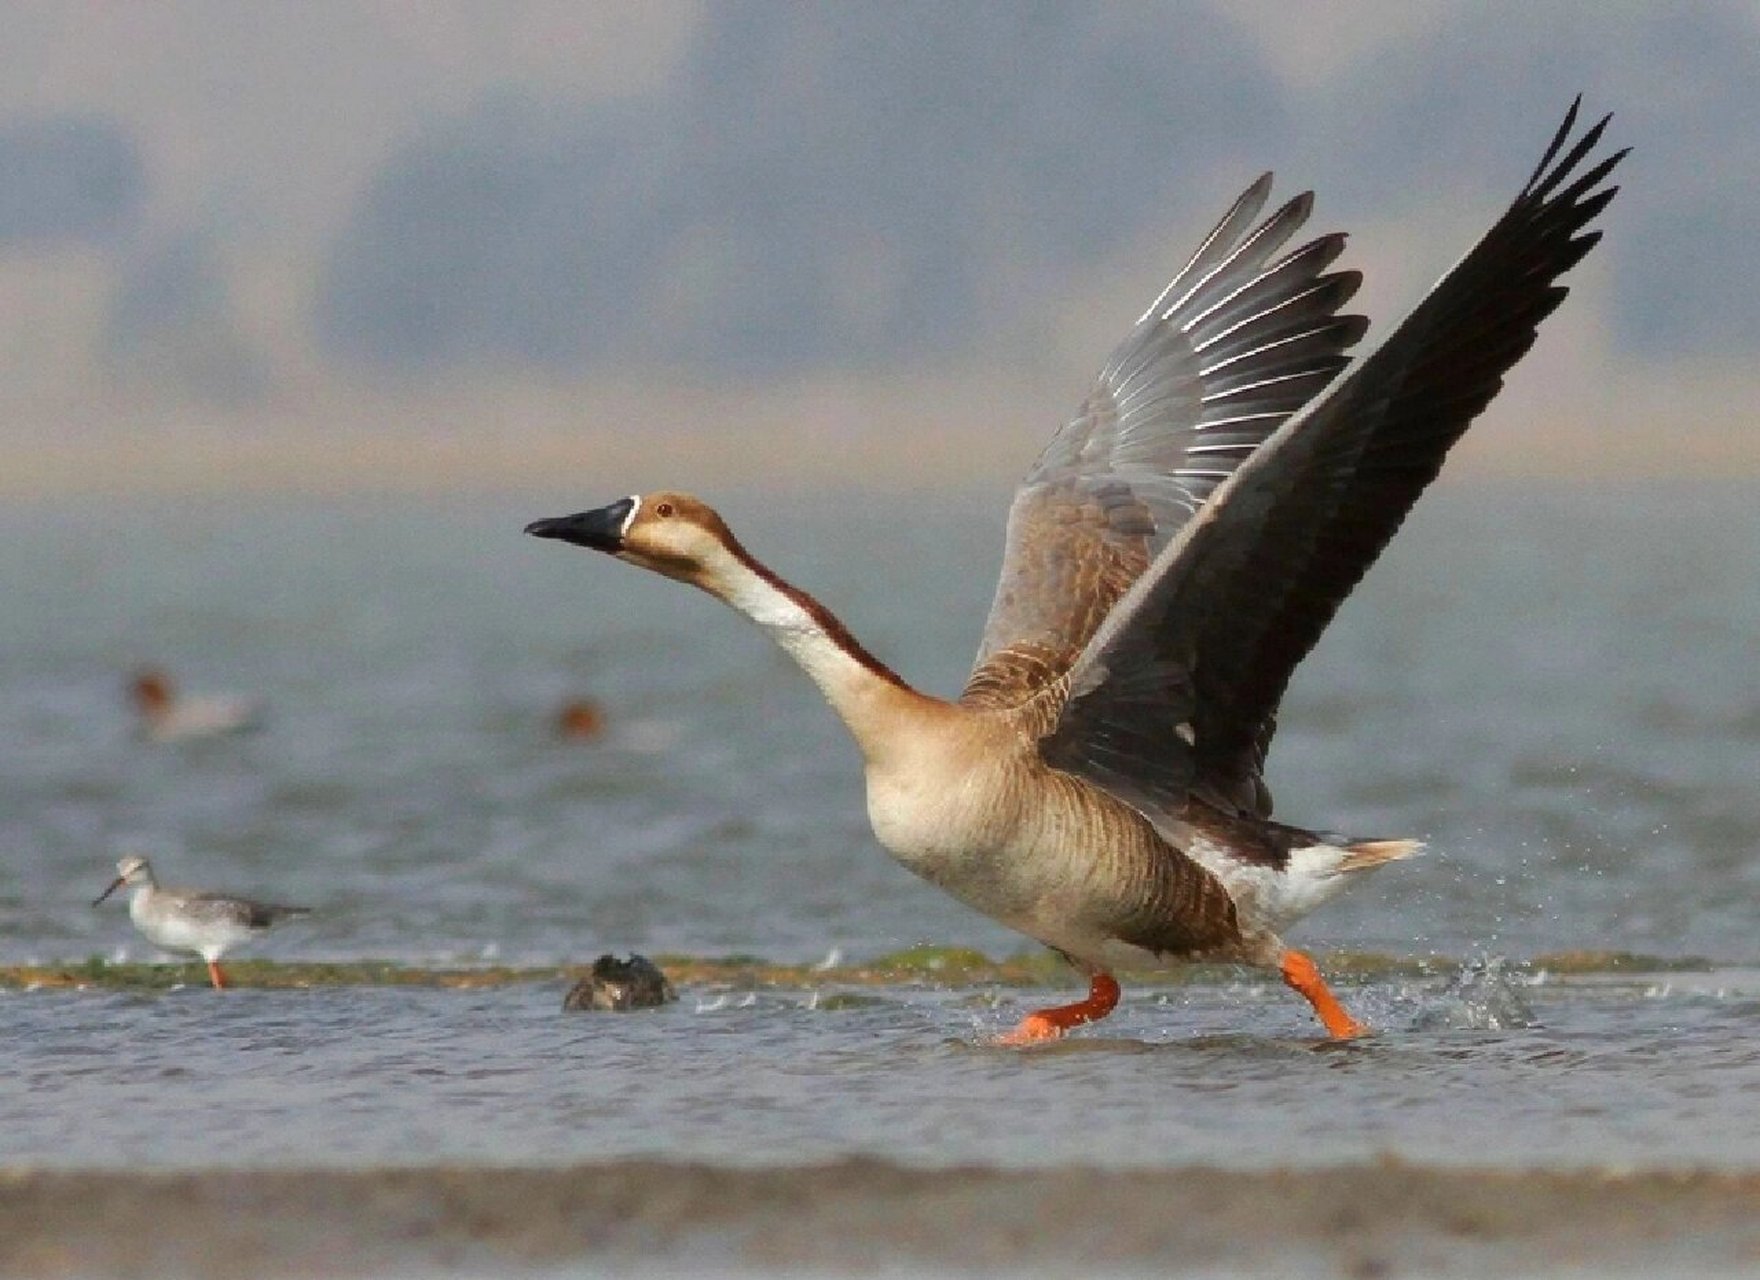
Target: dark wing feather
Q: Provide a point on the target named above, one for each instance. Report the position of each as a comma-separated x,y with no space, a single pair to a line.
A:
1233,346
243,911
1177,691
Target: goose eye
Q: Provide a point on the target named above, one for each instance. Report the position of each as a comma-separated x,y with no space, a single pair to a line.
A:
663,509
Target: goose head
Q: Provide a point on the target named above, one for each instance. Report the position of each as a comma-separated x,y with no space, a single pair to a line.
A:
670,533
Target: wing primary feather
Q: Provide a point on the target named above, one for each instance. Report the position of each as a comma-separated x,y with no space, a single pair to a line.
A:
1279,382
1295,272
1245,208
1270,236
1564,131
1216,424
1322,297
1330,335
1584,146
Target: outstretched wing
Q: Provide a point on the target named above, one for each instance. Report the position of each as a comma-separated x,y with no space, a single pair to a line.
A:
1176,692
1230,349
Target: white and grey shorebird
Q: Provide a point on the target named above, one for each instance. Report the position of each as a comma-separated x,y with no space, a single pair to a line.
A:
208,924
1175,552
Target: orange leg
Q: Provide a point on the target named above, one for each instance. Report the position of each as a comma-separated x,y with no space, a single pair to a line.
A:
215,976
1048,1024
1302,974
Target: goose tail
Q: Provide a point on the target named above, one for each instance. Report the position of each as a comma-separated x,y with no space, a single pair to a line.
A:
1362,855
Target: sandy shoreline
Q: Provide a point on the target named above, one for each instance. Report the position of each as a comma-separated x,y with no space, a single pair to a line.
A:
856,1216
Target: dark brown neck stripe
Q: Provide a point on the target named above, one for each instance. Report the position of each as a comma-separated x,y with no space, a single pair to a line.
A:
828,622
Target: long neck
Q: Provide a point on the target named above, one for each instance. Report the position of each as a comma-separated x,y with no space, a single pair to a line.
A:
867,695
142,897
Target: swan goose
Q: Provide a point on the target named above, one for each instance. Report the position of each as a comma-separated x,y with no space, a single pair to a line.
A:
1173,554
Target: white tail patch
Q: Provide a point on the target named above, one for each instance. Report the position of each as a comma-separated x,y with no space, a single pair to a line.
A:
1365,854
1313,874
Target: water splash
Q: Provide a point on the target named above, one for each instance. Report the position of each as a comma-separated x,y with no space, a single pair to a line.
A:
728,1000
833,959
1484,994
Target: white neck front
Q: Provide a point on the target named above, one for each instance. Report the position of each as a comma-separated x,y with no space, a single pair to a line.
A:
865,696
141,899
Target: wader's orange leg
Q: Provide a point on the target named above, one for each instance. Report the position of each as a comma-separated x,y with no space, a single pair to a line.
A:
215,976
1302,974
1048,1024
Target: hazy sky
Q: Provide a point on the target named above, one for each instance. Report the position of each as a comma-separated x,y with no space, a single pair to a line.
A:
1097,154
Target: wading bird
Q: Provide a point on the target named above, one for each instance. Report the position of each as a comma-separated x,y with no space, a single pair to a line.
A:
209,924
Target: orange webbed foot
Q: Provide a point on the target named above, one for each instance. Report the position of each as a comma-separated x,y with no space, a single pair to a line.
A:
1049,1024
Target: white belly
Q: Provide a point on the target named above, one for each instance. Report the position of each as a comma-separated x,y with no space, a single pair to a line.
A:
173,932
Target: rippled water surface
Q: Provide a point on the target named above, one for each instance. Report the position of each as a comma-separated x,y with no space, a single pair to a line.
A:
1618,1074
1556,690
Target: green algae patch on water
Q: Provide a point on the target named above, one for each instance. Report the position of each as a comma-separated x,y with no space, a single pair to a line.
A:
962,966
844,1001
923,965
97,973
